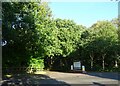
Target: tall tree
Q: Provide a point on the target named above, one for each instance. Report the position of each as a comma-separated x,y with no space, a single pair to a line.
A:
19,30
105,33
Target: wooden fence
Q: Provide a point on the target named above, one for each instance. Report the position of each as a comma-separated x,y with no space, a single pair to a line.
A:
20,69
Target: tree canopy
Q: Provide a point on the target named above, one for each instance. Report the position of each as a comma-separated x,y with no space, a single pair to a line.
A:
33,35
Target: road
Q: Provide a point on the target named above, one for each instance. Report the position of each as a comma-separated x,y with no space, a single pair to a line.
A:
64,79
89,78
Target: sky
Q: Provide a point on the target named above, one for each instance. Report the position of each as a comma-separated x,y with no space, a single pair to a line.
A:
84,13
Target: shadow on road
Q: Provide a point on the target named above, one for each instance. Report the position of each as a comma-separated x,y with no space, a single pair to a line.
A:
108,75
31,79
99,84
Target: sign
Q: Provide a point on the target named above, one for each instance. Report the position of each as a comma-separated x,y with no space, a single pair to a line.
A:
77,65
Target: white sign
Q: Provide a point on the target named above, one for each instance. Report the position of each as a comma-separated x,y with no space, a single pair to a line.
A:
77,65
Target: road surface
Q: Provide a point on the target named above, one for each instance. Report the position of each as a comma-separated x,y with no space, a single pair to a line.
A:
63,79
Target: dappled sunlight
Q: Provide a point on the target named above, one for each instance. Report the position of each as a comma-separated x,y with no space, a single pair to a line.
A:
30,79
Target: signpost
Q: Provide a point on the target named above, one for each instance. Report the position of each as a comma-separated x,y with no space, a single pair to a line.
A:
77,65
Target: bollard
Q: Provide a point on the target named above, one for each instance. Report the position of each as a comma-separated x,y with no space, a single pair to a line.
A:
71,67
83,69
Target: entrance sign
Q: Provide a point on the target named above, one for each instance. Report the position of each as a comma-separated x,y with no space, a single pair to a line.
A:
77,65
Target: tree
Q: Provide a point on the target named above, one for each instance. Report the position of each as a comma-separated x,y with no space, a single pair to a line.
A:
59,38
19,30
105,33
116,22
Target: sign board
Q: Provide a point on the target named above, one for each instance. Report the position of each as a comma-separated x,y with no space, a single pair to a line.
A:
77,65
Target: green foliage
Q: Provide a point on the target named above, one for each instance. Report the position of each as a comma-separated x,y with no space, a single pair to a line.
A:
36,64
99,43
19,30
31,32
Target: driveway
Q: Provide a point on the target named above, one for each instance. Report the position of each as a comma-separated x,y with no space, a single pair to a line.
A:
88,78
63,79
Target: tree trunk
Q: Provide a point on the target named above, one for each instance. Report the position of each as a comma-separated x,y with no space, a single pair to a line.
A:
116,64
103,61
51,62
91,61
103,64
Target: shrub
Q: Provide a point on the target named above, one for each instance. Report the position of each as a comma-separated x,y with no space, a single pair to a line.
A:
36,64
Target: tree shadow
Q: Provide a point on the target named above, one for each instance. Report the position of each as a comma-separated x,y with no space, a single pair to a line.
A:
31,79
99,84
108,75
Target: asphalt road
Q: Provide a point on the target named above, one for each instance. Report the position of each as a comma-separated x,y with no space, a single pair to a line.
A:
88,78
63,79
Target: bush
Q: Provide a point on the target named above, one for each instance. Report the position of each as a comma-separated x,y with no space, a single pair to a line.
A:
36,64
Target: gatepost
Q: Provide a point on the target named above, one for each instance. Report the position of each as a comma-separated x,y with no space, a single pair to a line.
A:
83,69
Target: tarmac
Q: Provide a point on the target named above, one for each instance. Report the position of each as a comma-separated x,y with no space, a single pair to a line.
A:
63,79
